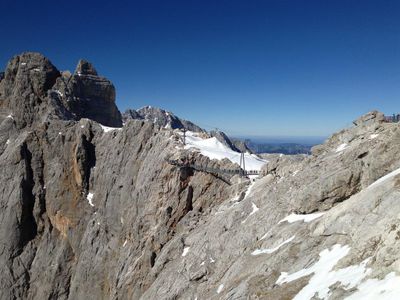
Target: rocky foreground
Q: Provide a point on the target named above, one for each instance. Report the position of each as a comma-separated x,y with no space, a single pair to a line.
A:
92,209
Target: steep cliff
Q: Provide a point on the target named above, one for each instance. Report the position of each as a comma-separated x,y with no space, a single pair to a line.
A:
87,209
96,212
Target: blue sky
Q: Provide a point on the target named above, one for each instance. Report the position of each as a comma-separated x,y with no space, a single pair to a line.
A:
260,68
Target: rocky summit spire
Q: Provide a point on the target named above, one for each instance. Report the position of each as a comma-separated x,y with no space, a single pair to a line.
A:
85,68
33,90
25,85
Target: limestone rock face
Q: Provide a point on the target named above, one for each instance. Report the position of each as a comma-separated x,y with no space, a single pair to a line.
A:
241,146
89,212
85,68
93,206
34,91
223,138
86,95
23,91
160,117
234,144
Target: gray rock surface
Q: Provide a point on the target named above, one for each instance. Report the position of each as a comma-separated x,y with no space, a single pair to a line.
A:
224,139
160,117
86,95
23,91
96,213
34,91
240,145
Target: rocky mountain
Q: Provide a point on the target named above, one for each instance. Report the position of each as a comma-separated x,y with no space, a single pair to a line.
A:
95,212
34,91
167,120
234,144
160,117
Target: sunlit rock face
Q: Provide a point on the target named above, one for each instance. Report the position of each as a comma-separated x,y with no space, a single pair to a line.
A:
94,210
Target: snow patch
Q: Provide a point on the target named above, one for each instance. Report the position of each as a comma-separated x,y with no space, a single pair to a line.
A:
342,147
126,241
272,250
373,136
255,209
324,276
185,251
8,142
305,218
384,178
10,117
214,149
220,288
388,288
108,129
249,189
90,199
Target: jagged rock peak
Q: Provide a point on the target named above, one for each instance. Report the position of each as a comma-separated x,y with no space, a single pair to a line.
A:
85,68
370,118
29,70
160,117
223,138
34,91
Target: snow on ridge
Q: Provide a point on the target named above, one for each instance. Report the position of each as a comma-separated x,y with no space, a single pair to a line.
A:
305,218
185,251
384,178
255,209
342,147
90,199
388,288
214,149
324,275
108,129
59,93
272,250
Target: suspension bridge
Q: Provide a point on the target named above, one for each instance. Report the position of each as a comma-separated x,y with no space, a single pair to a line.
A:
215,171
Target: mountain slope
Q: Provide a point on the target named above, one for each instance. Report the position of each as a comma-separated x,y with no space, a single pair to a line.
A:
160,117
96,212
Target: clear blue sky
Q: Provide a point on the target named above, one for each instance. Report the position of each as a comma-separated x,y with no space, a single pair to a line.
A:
296,68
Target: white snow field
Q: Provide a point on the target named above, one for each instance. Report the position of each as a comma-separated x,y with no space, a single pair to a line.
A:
214,149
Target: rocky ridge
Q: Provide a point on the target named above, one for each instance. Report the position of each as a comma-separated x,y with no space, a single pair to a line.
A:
90,211
160,117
